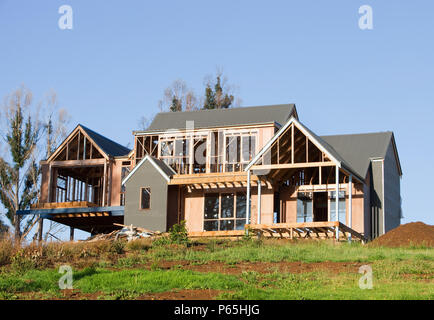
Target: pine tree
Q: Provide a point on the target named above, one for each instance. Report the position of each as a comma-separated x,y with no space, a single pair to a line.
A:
216,98
209,99
18,177
176,105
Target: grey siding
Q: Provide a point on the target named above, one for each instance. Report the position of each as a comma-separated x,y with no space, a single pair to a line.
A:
392,190
154,218
377,226
367,207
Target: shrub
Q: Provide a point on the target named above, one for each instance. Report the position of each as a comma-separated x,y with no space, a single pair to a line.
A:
6,251
117,247
161,241
178,233
21,263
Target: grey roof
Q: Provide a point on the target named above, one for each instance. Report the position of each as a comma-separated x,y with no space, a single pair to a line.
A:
337,155
110,147
164,166
358,149
222,117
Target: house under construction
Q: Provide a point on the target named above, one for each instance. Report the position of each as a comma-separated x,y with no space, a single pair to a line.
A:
224,171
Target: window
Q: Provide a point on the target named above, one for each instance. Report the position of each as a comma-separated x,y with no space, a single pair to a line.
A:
184,154
304,207
240,150
224,211
145,198
341,206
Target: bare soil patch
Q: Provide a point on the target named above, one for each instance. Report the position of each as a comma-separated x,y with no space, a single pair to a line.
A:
410,234
262,267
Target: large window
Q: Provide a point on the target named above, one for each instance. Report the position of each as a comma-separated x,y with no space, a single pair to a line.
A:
224,211
304,207
341,206
145,198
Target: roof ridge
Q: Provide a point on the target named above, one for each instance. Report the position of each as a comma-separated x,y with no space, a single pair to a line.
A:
87,128
227,109
357,134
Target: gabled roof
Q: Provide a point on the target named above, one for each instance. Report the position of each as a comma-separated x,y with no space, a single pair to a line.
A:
359,149
109,146
319,142
166,171
164,121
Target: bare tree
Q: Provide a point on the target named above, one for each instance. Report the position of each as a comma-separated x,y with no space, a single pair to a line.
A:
21,136
178,97
143,123
218,93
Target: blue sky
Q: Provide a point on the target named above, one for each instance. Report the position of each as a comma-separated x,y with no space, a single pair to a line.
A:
114,65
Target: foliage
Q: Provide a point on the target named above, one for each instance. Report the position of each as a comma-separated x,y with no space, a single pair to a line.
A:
21,131
117,247
179,97
6,251
216,97
21,263
178,233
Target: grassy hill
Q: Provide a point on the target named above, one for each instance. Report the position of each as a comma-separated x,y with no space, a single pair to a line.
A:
215,269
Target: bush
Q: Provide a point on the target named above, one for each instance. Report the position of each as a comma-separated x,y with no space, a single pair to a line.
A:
178,233
6,251
21,263
117,247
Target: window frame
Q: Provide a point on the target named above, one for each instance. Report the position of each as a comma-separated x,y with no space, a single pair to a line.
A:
141,199
220,218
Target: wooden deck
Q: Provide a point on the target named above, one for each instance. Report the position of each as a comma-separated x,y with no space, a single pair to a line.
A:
56,205
319,230
307,230
217,234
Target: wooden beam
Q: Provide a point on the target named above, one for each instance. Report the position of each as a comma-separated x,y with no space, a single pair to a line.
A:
207,179
292,143
293,165
78,163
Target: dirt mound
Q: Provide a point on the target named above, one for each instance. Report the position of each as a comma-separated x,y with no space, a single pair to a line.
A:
410,234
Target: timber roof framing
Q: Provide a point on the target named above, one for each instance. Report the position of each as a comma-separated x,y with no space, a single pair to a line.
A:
105,147
334,159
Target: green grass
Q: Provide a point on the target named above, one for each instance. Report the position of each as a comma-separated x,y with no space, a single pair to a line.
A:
305,252
398,273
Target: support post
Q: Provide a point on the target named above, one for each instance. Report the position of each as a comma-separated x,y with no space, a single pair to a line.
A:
259,200
50,178
109,195
71,234
350,205
337,201
248,198
104,184
84,148
40,229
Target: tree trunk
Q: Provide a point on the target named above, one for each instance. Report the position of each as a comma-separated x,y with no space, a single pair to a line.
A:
17,217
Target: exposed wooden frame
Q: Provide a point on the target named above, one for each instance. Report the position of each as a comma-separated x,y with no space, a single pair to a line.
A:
70,137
